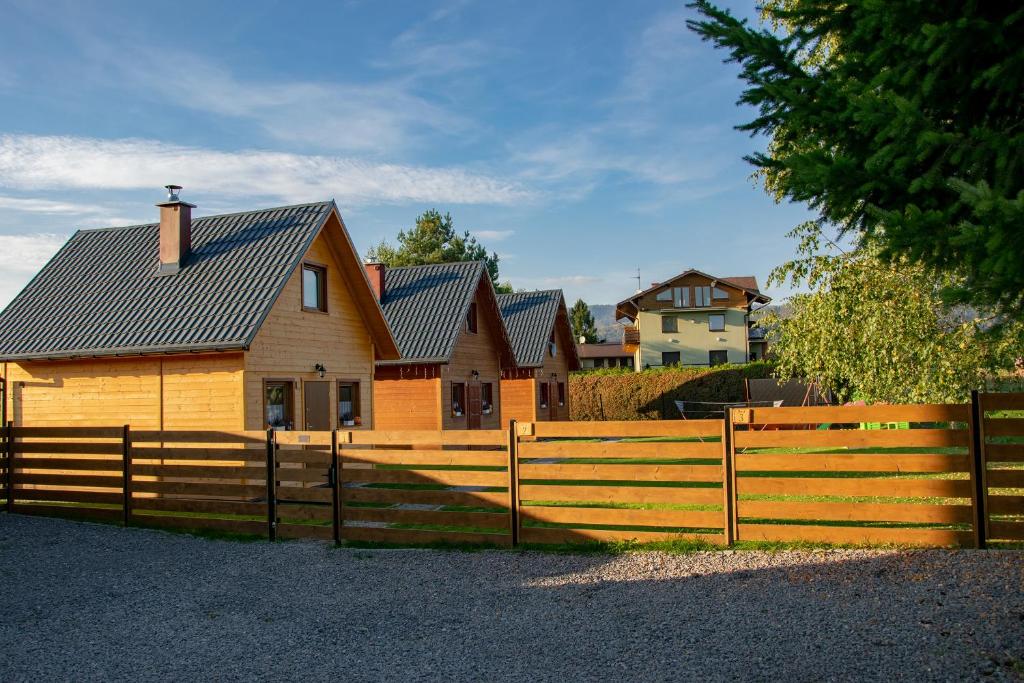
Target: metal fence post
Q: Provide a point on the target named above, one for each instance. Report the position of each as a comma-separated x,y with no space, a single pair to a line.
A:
271,486
126,474
10,465
729,501
335,488
513,480
979,489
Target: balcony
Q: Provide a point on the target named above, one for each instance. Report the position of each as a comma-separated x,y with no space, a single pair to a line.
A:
630,338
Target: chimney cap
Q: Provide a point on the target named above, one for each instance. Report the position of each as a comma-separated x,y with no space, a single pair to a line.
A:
172,192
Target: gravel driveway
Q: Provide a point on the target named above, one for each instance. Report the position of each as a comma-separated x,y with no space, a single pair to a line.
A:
94,602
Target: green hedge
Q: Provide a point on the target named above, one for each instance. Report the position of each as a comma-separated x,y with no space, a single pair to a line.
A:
650,395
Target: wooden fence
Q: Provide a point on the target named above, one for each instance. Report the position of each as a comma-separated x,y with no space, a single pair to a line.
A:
935,475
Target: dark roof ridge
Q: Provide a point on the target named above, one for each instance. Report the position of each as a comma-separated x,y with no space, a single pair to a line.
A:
136,226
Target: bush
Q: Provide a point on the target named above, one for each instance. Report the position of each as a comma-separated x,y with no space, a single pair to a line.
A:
626,395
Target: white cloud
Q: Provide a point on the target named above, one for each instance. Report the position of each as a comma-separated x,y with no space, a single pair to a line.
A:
46,206
50,162
494,235
21,256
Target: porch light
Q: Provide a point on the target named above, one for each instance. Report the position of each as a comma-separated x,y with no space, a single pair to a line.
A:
475,374
320,370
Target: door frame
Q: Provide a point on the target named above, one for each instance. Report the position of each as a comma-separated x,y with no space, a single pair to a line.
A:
305,404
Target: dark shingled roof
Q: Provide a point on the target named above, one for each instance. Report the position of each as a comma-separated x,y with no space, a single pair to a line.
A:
529,318
101,295
425,307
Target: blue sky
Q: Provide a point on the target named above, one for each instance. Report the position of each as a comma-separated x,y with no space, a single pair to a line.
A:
579,140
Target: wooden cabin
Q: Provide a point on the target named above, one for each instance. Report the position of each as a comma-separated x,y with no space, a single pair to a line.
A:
453,346
536,388
240,321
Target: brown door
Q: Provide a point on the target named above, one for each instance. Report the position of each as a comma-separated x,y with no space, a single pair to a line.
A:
475,406
317,405
553,401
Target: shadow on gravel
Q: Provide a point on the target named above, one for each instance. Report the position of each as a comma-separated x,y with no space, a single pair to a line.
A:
96,602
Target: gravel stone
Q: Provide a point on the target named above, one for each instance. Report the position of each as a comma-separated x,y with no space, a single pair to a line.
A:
96,602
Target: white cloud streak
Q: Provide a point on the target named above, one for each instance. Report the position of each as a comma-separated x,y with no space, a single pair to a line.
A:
52,162
494,235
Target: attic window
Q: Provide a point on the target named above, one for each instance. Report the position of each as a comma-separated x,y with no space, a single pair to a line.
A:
664,295
718,293
471,322
702,296
314,288
681,297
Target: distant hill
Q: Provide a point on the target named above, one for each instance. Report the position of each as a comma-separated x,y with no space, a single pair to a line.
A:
604,320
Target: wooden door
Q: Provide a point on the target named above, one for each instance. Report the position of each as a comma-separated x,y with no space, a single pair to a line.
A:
317,406
552,401
475,407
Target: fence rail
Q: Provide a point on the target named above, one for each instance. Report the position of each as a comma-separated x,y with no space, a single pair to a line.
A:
936,475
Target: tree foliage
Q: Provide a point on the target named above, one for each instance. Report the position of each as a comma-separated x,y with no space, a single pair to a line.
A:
582,322
900,123
878,330
434,240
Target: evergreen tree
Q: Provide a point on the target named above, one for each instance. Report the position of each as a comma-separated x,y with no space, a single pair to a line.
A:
582,322
434,240
900,123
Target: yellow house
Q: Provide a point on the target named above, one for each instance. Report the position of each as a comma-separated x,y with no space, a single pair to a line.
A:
693,319
239,321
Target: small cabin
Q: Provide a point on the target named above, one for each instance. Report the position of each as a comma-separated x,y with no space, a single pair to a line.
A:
252,320
452,344
536,387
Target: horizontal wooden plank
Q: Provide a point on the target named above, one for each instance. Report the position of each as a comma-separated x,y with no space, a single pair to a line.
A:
303,438
853,414
309,531
622,517
225,490
305,512
194,436
1010,531
237,526
620,494
199,472
1007,479
853,535
620,449
305,495
69,511
842,462
852,438
1004,452
445,477
307,457
226,507
621,472
856,512
182,453
876,487
81,480
1005,505
555,535
313,475
82,448
997,401
482,520
464,498
68,432
68,496
1004,426
474,437
73,464
422,537
628,429
437,457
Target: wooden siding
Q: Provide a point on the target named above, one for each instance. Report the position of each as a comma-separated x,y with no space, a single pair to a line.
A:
518,400
292,340
474,352
407,403
173,392
737,298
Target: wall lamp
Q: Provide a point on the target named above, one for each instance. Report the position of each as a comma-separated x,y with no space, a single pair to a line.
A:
320,370
475,374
